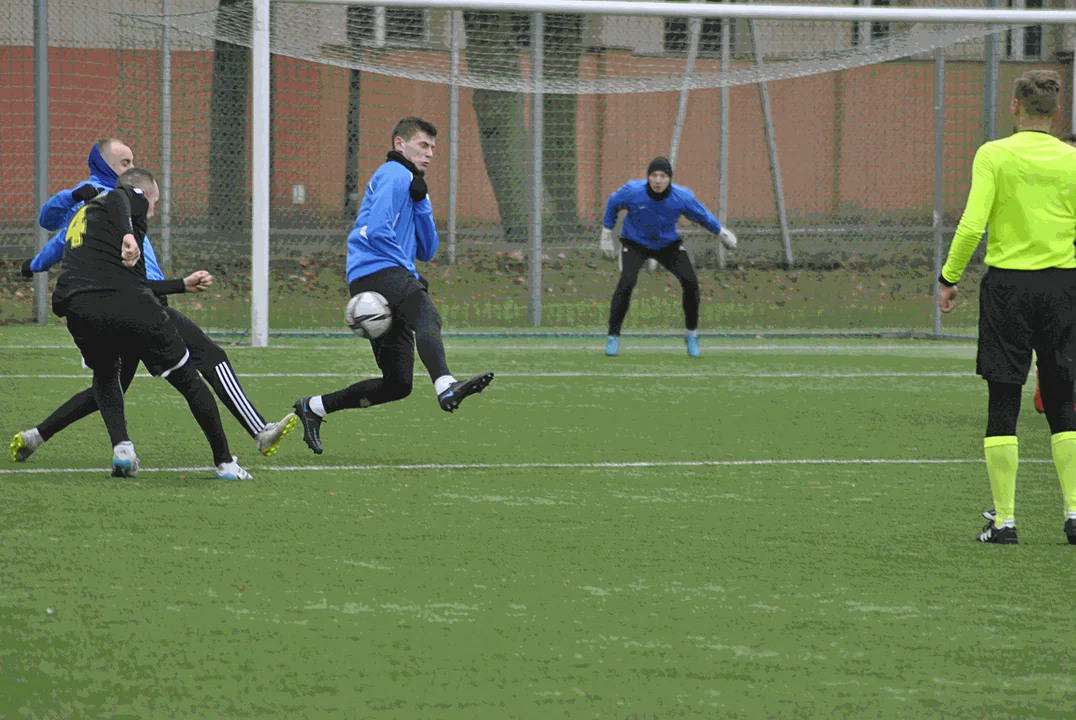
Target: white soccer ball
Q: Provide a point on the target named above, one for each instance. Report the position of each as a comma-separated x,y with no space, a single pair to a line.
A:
368,315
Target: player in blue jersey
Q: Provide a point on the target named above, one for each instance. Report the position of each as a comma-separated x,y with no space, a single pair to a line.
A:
109,159
654,207
393,229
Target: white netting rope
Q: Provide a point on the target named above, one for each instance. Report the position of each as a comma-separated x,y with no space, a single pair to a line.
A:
494,55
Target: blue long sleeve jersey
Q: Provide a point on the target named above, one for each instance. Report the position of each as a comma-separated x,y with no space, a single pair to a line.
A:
391,230
58,211
652,223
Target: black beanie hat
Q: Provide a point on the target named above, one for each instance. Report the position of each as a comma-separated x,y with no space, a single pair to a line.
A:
660,164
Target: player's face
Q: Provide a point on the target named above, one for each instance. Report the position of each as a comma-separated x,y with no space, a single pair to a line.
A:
419,149
120,159
658,181
152,197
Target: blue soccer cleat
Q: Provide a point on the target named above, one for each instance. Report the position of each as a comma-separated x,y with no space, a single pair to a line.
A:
311,424
232,471
693,348
612,346
451,398
124,460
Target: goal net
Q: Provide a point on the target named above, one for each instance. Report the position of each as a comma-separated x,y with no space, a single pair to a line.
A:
828,178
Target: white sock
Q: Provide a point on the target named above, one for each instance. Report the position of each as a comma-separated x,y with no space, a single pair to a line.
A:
1010,522
1071,516
33,438
692,333
443,383
317,406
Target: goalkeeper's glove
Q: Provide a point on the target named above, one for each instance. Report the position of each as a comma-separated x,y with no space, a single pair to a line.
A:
606,243
84,193
728,238
25,269
418,188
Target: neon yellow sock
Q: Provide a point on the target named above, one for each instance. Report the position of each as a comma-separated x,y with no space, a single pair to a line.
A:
1063,447
1002,458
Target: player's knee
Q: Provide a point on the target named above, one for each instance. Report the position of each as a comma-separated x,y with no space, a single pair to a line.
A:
690,286
397,389
207,357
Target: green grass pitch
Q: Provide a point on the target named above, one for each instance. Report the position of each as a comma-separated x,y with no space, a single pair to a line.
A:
649,536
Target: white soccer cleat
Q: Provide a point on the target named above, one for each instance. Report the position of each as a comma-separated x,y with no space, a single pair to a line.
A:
124,460
270,436
24,443
232,471
728,238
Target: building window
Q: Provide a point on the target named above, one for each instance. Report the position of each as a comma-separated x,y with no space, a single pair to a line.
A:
388,27
677,36
1025,43
864,33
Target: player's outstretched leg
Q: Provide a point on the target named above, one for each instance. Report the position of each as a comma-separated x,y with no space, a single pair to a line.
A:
200,401
213,364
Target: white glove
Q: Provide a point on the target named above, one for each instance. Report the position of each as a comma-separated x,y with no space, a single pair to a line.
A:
728,238
606,243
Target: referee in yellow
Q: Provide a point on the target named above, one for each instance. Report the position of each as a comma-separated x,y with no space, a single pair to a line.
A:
1024,188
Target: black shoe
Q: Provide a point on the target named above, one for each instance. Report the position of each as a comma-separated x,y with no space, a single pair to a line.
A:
998,535
311,424
1070,530
990,515
450,399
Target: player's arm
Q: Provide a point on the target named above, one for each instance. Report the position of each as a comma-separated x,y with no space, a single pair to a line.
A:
55,211
118,208
617,202
196,282
52,253
696,212
426,239
388,202
153,268
973,222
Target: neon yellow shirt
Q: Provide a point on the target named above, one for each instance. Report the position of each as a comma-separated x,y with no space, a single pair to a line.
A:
1024,187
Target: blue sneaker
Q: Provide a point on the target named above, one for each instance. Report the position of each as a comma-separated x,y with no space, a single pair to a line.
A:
612,347
693,348
124,460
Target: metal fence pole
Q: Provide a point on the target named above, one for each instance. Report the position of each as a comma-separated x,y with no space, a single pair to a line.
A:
259,231
454,133
41,146
723,143
694,26
991,70
939,175
537,131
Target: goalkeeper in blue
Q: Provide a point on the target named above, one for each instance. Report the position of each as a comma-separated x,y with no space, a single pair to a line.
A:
393,229
109,159
654,207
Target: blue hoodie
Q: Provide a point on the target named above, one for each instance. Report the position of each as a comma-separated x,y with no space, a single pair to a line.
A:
652,223
391,230
58,210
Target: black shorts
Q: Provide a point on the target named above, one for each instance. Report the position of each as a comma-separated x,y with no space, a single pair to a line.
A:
394,283
1025,310
108,325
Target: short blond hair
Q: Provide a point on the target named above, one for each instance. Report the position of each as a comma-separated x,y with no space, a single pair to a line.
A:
1038,92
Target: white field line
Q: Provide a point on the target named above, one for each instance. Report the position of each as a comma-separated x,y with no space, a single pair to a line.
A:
569,374
541,465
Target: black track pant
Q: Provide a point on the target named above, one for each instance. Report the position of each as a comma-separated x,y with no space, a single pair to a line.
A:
415,322
206,356
674,259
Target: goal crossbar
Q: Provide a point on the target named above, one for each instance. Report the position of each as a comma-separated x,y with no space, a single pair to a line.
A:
981,16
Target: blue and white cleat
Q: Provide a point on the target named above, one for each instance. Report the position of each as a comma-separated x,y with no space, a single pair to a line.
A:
451,398
693,348
124,460
612,346
232,471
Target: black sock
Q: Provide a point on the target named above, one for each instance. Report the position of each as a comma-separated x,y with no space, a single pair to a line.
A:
108,396
200,401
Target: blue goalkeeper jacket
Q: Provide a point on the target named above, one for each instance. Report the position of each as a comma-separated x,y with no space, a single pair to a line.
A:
61,207
652,223
391,230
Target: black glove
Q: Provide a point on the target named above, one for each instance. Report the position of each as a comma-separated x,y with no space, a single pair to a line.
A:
25,270
84,192
418,188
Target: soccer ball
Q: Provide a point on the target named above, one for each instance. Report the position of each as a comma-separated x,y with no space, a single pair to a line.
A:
368,315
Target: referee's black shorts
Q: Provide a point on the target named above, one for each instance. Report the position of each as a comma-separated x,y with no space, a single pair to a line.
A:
106,324
1025,310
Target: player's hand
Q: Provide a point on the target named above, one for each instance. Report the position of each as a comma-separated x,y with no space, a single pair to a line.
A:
84,192
25,269
728,238
419,191
947,298
198,281
129,252
606,243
